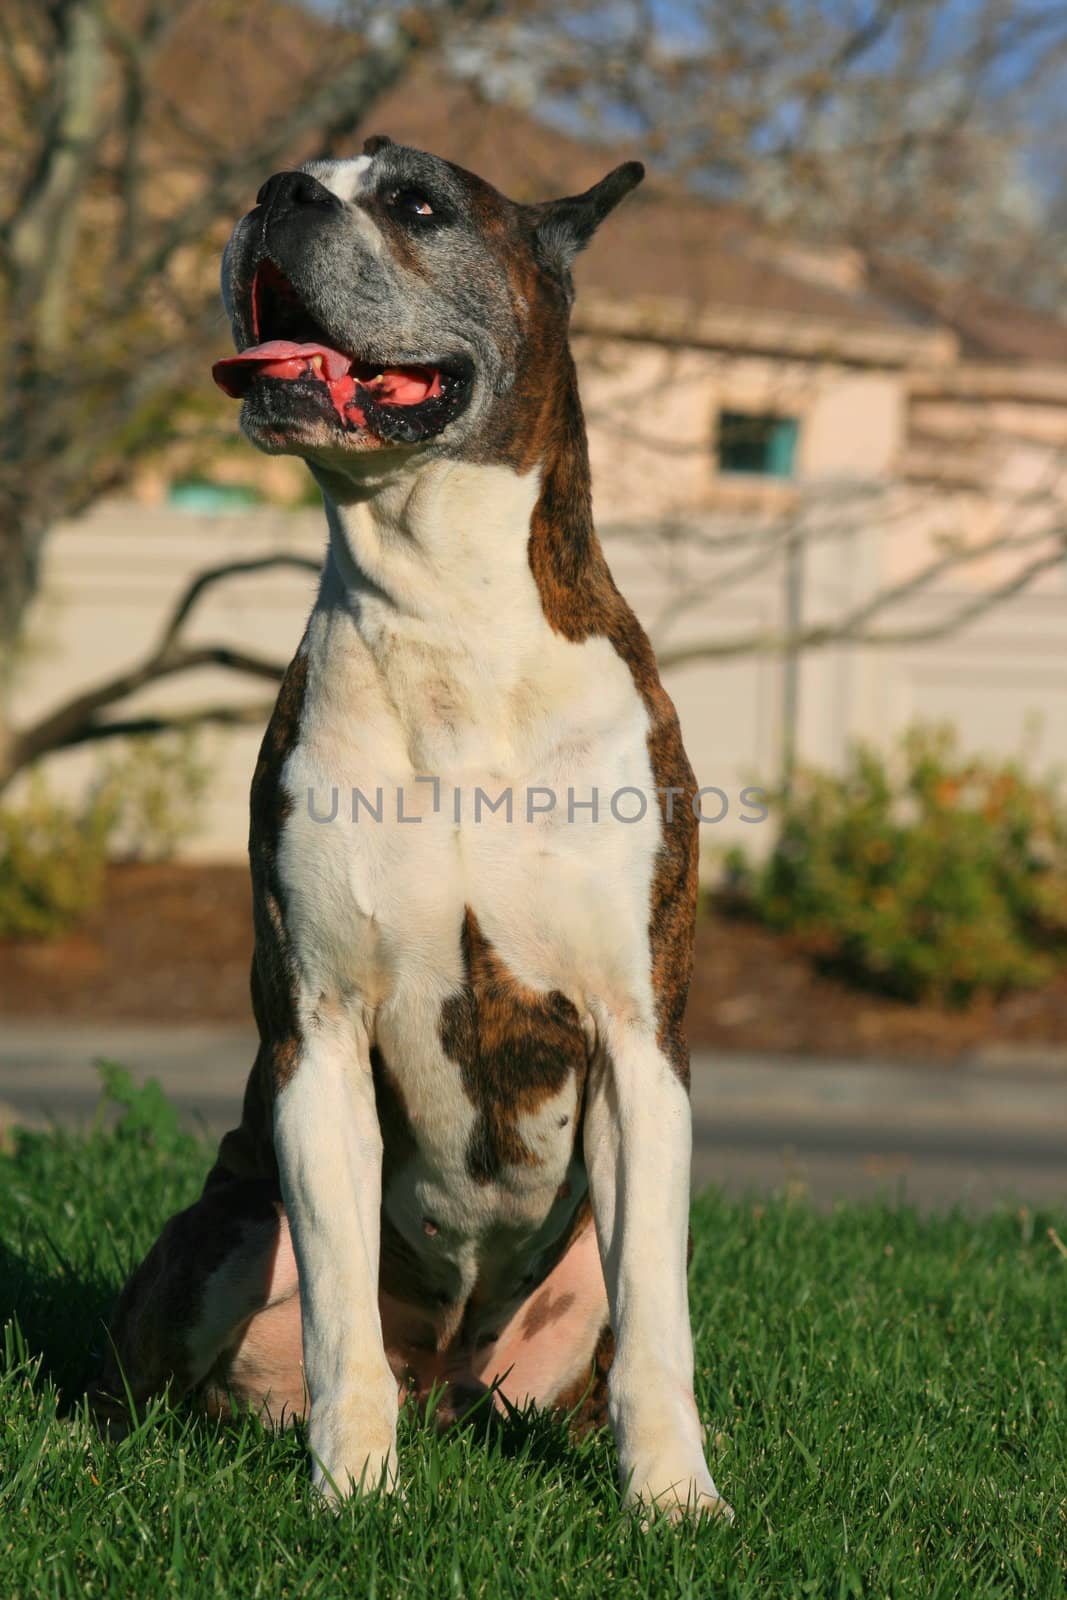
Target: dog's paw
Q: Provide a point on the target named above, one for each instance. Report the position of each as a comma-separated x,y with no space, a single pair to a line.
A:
363,1473
684,1496
359,1471
351,1454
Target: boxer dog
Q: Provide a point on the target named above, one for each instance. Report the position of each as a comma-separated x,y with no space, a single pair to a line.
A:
463,1160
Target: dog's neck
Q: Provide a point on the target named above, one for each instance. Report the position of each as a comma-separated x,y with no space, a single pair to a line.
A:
477,551
431,542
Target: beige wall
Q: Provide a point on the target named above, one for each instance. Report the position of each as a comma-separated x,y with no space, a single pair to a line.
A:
940,468
109,581
652,415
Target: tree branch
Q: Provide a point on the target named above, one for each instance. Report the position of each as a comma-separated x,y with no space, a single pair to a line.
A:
43,222
77,721
221,716
70,722
848,631
340,102
971,610
212,575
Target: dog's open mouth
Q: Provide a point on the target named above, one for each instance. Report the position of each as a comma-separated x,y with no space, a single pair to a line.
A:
404,403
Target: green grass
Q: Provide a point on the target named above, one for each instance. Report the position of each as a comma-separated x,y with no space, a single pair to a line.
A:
886,1398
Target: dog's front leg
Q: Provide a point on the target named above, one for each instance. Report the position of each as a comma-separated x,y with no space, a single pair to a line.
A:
638,1140
329,1150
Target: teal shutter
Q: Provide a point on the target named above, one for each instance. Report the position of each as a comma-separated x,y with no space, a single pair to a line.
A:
781,447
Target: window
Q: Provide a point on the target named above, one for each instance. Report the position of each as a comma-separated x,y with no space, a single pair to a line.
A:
757,442
211,499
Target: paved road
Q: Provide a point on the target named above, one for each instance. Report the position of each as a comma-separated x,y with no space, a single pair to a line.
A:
937,1136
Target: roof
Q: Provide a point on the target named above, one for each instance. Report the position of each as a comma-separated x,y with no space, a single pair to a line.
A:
664,247
990,327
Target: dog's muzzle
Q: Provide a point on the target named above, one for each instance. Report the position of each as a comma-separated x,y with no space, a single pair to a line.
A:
398,400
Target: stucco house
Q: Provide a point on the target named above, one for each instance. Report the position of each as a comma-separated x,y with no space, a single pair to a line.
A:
786,442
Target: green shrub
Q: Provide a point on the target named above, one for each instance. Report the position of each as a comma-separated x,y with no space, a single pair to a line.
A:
153,789
52,858
53,851
925,876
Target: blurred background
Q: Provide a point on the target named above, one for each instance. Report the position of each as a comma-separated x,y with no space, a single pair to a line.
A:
825,376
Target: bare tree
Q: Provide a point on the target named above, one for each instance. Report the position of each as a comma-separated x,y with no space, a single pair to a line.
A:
119,177
729,559
918,126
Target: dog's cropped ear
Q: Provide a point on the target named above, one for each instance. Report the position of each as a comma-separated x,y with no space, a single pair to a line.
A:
563,227
376,142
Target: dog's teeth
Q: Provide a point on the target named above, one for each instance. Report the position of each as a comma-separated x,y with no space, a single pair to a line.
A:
316,362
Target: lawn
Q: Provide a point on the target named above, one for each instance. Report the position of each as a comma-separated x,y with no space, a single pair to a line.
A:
886,1399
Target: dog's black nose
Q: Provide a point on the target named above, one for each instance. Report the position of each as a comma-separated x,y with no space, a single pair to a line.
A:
286,189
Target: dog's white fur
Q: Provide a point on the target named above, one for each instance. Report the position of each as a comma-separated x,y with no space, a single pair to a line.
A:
431,657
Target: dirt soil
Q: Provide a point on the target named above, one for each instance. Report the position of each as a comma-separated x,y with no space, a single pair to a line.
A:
171,943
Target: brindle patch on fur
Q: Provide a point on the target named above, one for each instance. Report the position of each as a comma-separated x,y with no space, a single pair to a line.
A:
399,1144
248,1150
587,1397
274,984
515,1048
544,1311
162,1301
580,601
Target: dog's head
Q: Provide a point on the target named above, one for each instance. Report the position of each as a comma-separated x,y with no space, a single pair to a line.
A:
398,303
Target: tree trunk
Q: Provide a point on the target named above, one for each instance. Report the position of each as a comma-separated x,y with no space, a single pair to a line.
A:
21,542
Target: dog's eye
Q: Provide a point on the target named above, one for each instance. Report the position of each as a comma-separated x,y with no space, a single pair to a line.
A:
411,201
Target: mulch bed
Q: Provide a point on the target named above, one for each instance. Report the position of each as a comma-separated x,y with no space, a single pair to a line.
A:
171,943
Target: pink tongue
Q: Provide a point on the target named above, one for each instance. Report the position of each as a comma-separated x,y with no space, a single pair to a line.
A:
278,358
408,386
282,358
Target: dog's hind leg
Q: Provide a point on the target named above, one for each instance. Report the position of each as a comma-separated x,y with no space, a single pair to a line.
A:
212,1268
208,1272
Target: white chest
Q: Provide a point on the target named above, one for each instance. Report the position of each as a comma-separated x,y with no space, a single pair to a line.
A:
461,765
432,778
